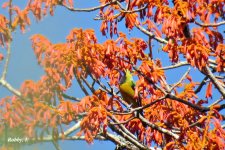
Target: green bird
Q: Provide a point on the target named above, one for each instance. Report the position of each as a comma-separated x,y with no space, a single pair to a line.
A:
127,90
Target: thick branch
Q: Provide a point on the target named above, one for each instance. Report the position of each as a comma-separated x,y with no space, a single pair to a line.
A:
72,129
118,140
10,88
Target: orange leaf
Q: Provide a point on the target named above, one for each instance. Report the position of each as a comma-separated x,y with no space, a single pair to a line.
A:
1,57
169,145
209,90
131,20
6,4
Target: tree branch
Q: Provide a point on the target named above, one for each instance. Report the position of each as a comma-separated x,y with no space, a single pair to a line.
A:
214,80
165,131
10,88
196,107
56,145
70,97
181,79
72,129
81,85
201,85
119,141
123,128
210,24
216,102
150,81
5,69
91,88
127,136
123,122
161,40
89,9
180,64
136,10
109,91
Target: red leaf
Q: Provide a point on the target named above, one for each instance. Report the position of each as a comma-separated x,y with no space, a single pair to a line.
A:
1,57
189,78
6,4
209,90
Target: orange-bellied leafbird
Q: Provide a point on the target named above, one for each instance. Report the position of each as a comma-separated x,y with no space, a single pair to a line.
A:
127,90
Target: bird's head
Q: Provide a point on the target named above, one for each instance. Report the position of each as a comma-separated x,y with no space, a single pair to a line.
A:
125,74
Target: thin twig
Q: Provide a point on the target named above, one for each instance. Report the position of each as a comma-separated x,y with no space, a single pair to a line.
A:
123,122
201,85
102,85
81,85
71,97
123,127
161,40
89,9
88,85
181,79
216,102
150,81
165,83
210,24
132,110
163,130
194,106
56,145
180,64
127,134
217,84
135,10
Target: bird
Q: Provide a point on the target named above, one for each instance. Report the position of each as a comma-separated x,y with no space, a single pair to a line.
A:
127,88
127,91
